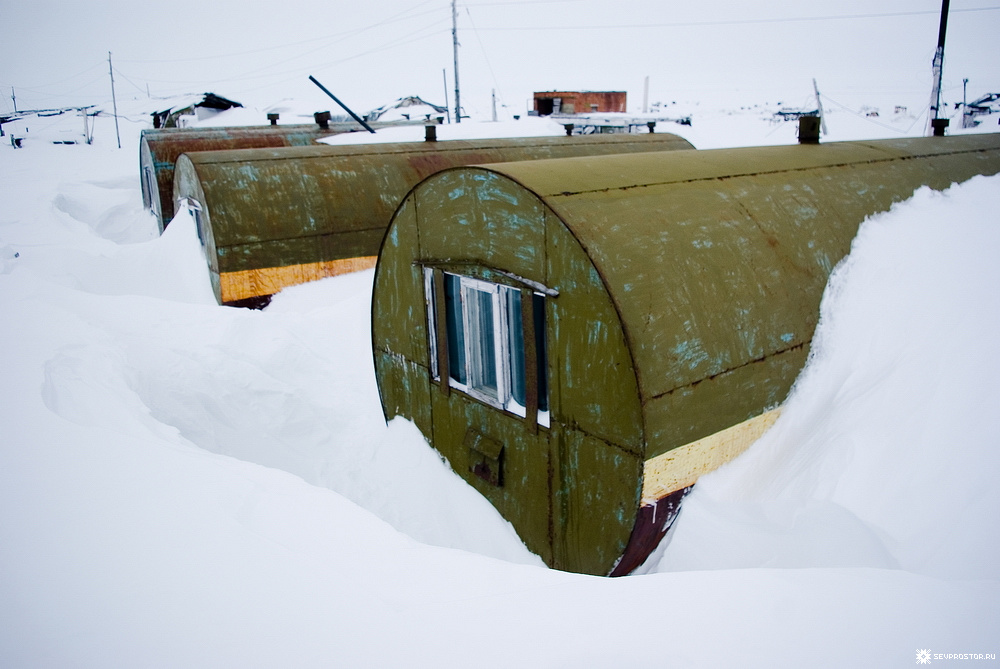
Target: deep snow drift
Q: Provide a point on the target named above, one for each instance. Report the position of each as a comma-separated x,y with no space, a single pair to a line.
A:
183,484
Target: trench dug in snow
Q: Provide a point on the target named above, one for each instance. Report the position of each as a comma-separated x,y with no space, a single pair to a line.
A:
883,418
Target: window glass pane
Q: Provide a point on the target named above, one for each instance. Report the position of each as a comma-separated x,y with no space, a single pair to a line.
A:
482,339
455,326
538,304
486,344
515,338
429,300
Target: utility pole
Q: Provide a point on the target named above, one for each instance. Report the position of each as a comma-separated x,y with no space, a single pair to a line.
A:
454,45
937,123
114,101
444,78
965,104
13,97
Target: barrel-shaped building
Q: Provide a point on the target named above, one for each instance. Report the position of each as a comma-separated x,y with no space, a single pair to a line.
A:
581,339
159,149
270,218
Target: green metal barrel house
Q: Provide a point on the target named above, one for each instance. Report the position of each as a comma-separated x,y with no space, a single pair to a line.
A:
159,149
271,218
583,338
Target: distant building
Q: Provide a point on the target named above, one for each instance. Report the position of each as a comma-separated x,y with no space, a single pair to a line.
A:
58,126
410,108
579,102
196,107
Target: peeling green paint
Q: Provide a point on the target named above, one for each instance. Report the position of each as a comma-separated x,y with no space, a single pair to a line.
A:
688,287
307,204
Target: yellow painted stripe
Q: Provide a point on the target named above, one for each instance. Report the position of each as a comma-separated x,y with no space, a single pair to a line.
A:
269,280
682,466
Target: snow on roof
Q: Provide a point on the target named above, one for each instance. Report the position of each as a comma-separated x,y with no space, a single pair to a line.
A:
209,100
531,126
411,107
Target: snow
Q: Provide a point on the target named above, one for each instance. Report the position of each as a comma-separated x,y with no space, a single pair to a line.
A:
901,379
532,126
183,484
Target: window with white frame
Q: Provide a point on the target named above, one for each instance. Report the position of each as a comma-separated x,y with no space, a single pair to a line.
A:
194,210
479,333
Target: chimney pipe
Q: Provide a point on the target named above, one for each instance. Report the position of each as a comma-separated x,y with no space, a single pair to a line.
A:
273,118
809,129
569,129
430,133
322,120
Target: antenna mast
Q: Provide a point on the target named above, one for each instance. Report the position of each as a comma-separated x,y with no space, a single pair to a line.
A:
454,44
819,107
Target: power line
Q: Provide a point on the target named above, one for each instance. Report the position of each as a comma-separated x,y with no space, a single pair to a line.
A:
742,22
419,33
38,88
405,15
489,65
285,75
137,87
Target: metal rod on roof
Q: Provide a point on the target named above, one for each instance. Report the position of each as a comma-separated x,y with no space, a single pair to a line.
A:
943,26
353,115
937,123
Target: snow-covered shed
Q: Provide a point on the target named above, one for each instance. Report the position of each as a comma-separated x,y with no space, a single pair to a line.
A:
408,108
271,218
195,107
583,338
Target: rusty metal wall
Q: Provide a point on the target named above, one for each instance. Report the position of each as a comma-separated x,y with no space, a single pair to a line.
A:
159,149
271,208
688,287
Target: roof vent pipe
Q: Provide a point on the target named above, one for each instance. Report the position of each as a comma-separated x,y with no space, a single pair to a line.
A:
430,133
809,129
273,118
322,119
652,126
569,129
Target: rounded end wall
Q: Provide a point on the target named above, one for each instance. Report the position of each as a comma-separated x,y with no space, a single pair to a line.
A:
189,196
569,477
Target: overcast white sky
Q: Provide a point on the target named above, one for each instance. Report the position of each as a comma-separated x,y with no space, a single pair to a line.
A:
55,52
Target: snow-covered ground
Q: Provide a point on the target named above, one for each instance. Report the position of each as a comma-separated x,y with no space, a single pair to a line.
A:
187,485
